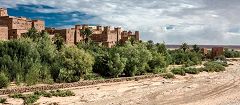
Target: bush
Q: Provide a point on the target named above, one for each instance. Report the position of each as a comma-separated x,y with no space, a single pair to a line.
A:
157,64
30,98
109,64
213,67
179,71
93,76
137,56
191,70
16,95
62,93
43,93
201,69
3,100
168,75
71,64
3,80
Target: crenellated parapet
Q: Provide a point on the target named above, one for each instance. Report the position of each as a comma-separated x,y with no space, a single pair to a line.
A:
17,26
3,12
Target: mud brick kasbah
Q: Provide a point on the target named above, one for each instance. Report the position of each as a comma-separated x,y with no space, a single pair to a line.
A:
12,27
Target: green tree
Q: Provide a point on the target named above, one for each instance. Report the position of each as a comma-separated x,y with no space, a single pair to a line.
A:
137,57
33,34
150,45
18,57
71,64
4,82
87,32
116,65
58,41
158,63
196,48
184,47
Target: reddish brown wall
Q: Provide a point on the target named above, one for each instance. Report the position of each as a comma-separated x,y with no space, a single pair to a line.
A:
16,33
204,51
3,33
217,51
39,25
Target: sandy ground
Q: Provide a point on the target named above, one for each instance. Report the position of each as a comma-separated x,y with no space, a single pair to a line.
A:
203,89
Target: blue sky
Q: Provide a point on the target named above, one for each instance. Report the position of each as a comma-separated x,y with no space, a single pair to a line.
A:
169,21
61,19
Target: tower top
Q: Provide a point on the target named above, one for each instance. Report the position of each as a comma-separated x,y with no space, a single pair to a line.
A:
3,12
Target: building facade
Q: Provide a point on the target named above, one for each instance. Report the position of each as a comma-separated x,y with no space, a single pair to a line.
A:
14,27
3,32
107,36
217,51
17,26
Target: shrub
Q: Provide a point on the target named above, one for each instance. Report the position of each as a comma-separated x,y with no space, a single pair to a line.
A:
93,76
62,93
16,95
43,93
157,64
213,67
3,80
179,71
168,75
223,64
201,69
137,58
3,100
189,63
191,70
32,76
109,64
71,64
30,98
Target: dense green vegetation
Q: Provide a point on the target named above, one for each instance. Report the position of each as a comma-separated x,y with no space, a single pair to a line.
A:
186,56
36,58
212,66
231,53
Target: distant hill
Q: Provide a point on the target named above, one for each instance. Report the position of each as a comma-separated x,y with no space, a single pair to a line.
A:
207,46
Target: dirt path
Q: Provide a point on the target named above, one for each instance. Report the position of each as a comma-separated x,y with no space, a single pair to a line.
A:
204,89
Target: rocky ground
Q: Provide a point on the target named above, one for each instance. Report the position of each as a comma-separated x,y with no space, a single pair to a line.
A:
221,88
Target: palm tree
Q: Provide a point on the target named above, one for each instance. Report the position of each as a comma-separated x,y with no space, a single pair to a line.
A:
86,34
184,46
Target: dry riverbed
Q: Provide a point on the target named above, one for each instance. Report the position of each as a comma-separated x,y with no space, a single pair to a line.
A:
221,88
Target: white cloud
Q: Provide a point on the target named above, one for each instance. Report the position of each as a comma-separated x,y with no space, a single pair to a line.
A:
201,22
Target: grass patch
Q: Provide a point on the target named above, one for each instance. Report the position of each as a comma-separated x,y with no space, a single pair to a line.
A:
62,93
191,70
168,75
28,98
213,67
43,93
178,71
32,98
3,100
16,95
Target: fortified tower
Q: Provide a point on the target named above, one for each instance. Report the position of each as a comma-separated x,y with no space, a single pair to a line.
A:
3,12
